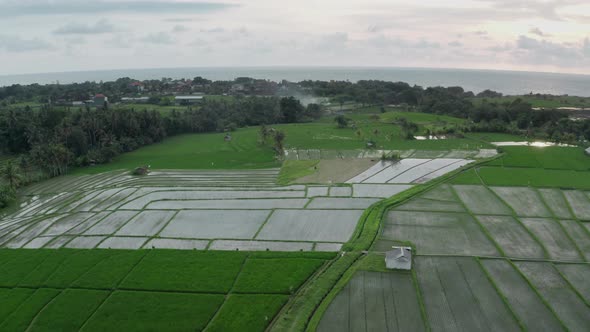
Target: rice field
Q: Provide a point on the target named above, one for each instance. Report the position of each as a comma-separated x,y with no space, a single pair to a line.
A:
375,301
179,209
163,290
410,170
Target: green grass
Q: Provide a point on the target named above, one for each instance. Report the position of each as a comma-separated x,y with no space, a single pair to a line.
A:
19,266
148,290
109,272
46,268
74,267
211,151
21,318
186,271
143,311
387,136
545,102
11,298
495,137
69,310
261,309
295,169
554,157
278,275
505,176
468,177
196,151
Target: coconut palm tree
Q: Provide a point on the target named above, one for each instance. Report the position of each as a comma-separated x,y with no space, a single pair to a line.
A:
11,174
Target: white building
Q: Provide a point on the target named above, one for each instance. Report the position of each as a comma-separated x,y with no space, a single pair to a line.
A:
188,100
399,258
588,151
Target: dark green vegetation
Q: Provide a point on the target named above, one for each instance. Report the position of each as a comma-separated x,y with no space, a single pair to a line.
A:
539,100
211,151
561,167
159,290
553,157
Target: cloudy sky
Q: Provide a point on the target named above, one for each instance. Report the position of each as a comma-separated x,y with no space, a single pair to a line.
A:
71,35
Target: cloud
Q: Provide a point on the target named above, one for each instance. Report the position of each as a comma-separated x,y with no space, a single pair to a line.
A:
548,9
180,28
213,30
538,32
180,20
158,38
102,26
17,44
545,52
76,7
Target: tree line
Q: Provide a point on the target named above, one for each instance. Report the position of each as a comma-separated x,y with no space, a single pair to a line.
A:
53,139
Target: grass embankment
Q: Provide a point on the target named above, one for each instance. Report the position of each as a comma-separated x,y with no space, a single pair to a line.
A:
560,167
162,290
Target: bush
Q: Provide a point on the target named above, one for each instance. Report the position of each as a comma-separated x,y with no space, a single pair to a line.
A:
7,195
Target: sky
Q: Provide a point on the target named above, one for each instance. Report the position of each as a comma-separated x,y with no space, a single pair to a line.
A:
75,35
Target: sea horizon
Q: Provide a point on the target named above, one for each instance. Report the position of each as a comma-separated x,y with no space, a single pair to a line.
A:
508,82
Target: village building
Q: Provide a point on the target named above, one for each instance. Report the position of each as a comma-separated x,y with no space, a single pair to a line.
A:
188,100
399,258
136,100
100,101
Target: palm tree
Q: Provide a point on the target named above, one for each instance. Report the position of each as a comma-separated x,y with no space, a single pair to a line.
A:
279,137
11,174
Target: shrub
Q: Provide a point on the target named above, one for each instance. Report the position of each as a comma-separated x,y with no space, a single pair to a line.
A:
7,195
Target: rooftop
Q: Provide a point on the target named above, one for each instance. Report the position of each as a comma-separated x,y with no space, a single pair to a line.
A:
399,258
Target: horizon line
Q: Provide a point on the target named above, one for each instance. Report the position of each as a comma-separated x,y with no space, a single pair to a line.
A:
355,67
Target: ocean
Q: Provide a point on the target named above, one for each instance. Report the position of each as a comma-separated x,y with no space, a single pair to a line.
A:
506,82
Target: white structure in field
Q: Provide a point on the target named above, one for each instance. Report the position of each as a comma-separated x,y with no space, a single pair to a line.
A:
588,151
399,258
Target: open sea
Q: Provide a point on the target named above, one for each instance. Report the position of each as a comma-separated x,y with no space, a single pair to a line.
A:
507,82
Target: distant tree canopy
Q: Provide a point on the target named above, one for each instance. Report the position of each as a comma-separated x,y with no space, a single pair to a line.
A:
55,139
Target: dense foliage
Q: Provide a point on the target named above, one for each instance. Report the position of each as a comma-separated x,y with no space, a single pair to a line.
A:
55,138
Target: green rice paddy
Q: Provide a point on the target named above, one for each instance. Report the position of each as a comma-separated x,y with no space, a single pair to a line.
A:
159,290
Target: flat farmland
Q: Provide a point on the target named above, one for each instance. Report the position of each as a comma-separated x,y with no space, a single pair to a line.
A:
512,237
568,306
480,200
181,209
375,301
525,202
458,296
528,306
163,290
554,238
438,233
578,275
